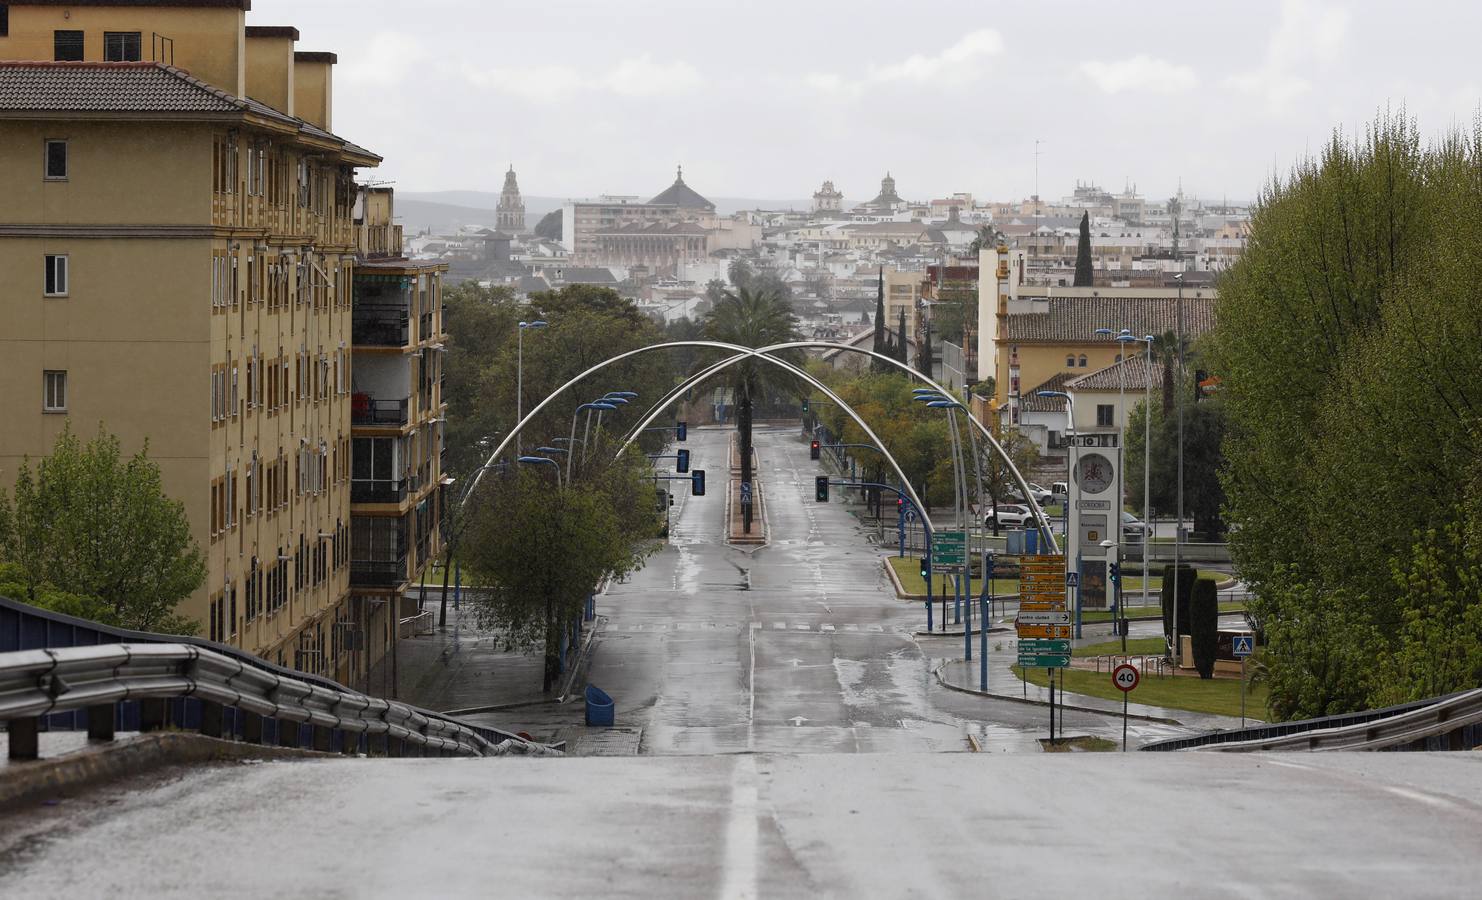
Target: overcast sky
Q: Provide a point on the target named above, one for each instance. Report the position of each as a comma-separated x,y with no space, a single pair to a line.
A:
766,99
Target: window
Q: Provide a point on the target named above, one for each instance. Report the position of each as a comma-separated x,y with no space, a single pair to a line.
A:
1070,361
1103,415
121,46
54,391
1083,360
56,160
4,20
66,46
56,275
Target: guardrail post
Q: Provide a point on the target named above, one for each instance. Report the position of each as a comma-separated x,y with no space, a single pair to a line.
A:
287,733
395,746
251,727
154,714
321,738
25,738
102,721
211,718
350,743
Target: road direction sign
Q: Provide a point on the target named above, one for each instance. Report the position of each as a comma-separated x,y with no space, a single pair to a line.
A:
948,549
1043,631
1041,645
1044,618
1044,660
1125,677
1244,645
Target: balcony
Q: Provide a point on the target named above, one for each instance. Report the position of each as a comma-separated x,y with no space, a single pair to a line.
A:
368,410
377,572
380,325
378,491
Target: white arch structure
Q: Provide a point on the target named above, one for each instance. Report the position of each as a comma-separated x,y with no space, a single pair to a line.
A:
763,353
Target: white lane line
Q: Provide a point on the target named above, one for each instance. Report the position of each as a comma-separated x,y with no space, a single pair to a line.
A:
779,626
802,628
827,627
739,872
851,627
878,628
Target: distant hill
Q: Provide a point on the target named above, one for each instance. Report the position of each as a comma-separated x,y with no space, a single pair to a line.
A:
446,210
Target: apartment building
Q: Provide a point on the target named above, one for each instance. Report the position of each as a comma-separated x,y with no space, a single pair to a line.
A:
181,232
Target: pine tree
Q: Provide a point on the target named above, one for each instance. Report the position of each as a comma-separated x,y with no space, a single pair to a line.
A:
1085,275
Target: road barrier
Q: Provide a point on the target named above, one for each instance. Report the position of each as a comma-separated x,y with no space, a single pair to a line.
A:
234,700
1453,722
182,694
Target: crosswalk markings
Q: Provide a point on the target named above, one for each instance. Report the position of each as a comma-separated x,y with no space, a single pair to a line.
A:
820,628
826,628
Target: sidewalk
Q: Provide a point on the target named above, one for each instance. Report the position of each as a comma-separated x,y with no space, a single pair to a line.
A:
1003,684
462,666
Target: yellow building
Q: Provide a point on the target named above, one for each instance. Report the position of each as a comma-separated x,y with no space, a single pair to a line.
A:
181,233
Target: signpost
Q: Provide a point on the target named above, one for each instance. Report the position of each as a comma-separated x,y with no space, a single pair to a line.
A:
1043,624
1243,646
949,549
1125,677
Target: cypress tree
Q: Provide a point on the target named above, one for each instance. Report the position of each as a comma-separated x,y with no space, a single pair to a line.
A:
880,333
1204,627
903,350
1085,275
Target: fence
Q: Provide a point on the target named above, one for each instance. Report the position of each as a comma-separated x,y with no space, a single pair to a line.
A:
58,672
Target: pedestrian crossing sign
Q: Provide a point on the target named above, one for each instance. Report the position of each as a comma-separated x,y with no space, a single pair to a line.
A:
1244,645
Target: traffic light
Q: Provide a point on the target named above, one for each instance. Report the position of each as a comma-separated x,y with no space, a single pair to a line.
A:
805,405
684,461
697,483
813,450
680,428
925,570
820,488
1116,573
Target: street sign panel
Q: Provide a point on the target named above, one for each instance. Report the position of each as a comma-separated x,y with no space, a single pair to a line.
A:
949,549
1044,646
1044,618
1044,660
1125,677
1043,631
1244,645
1072,579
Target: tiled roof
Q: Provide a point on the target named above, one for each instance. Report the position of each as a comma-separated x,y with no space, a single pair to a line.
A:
110,87
1030,401
1074,320
682,196
145,88
1137,371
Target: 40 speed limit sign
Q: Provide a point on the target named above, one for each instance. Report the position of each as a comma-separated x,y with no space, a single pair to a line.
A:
1125,677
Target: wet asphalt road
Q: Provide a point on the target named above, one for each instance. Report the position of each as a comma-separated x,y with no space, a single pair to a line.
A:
798,646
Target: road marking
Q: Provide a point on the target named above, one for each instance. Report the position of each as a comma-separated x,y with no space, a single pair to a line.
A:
739,873
851,627
877,628
826,627
779,626
683,626
635,627
802,628
755,626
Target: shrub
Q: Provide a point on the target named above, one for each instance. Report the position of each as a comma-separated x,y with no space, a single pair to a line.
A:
1204,626
1186,576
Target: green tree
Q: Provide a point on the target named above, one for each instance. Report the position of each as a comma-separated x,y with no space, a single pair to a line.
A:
750,320
1204,459
1085,272
481,323
541,549
1184,576
88,523
998,478
1346,347
549,226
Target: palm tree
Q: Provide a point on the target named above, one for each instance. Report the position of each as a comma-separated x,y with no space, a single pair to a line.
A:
1165,349
751,320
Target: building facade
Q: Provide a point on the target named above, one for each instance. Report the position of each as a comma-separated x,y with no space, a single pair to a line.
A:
185,228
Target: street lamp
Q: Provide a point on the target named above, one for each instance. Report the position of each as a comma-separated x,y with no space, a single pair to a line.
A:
1069,486
1178,535
536,460
520,373
595,404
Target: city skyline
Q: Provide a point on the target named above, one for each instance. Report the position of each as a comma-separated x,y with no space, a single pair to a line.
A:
766,106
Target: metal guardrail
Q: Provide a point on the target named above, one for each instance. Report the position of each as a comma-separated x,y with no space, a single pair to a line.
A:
36,683
25,628
1452,722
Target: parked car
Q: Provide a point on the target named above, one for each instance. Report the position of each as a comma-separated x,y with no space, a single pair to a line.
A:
1135,528
1010,515
1040,495
1058,492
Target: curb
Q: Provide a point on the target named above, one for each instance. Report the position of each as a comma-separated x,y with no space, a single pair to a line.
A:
583,657
900,590
131,756
1025,700
957,632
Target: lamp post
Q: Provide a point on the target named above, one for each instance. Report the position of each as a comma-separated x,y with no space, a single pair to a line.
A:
1178,535
1147,455
520,372
536,460
595,404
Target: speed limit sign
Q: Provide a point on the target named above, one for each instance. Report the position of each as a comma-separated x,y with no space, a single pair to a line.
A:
1125,677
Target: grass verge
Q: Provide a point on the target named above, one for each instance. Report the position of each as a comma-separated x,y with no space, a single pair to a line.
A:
1135,647
1083,744
908,570
1218,696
